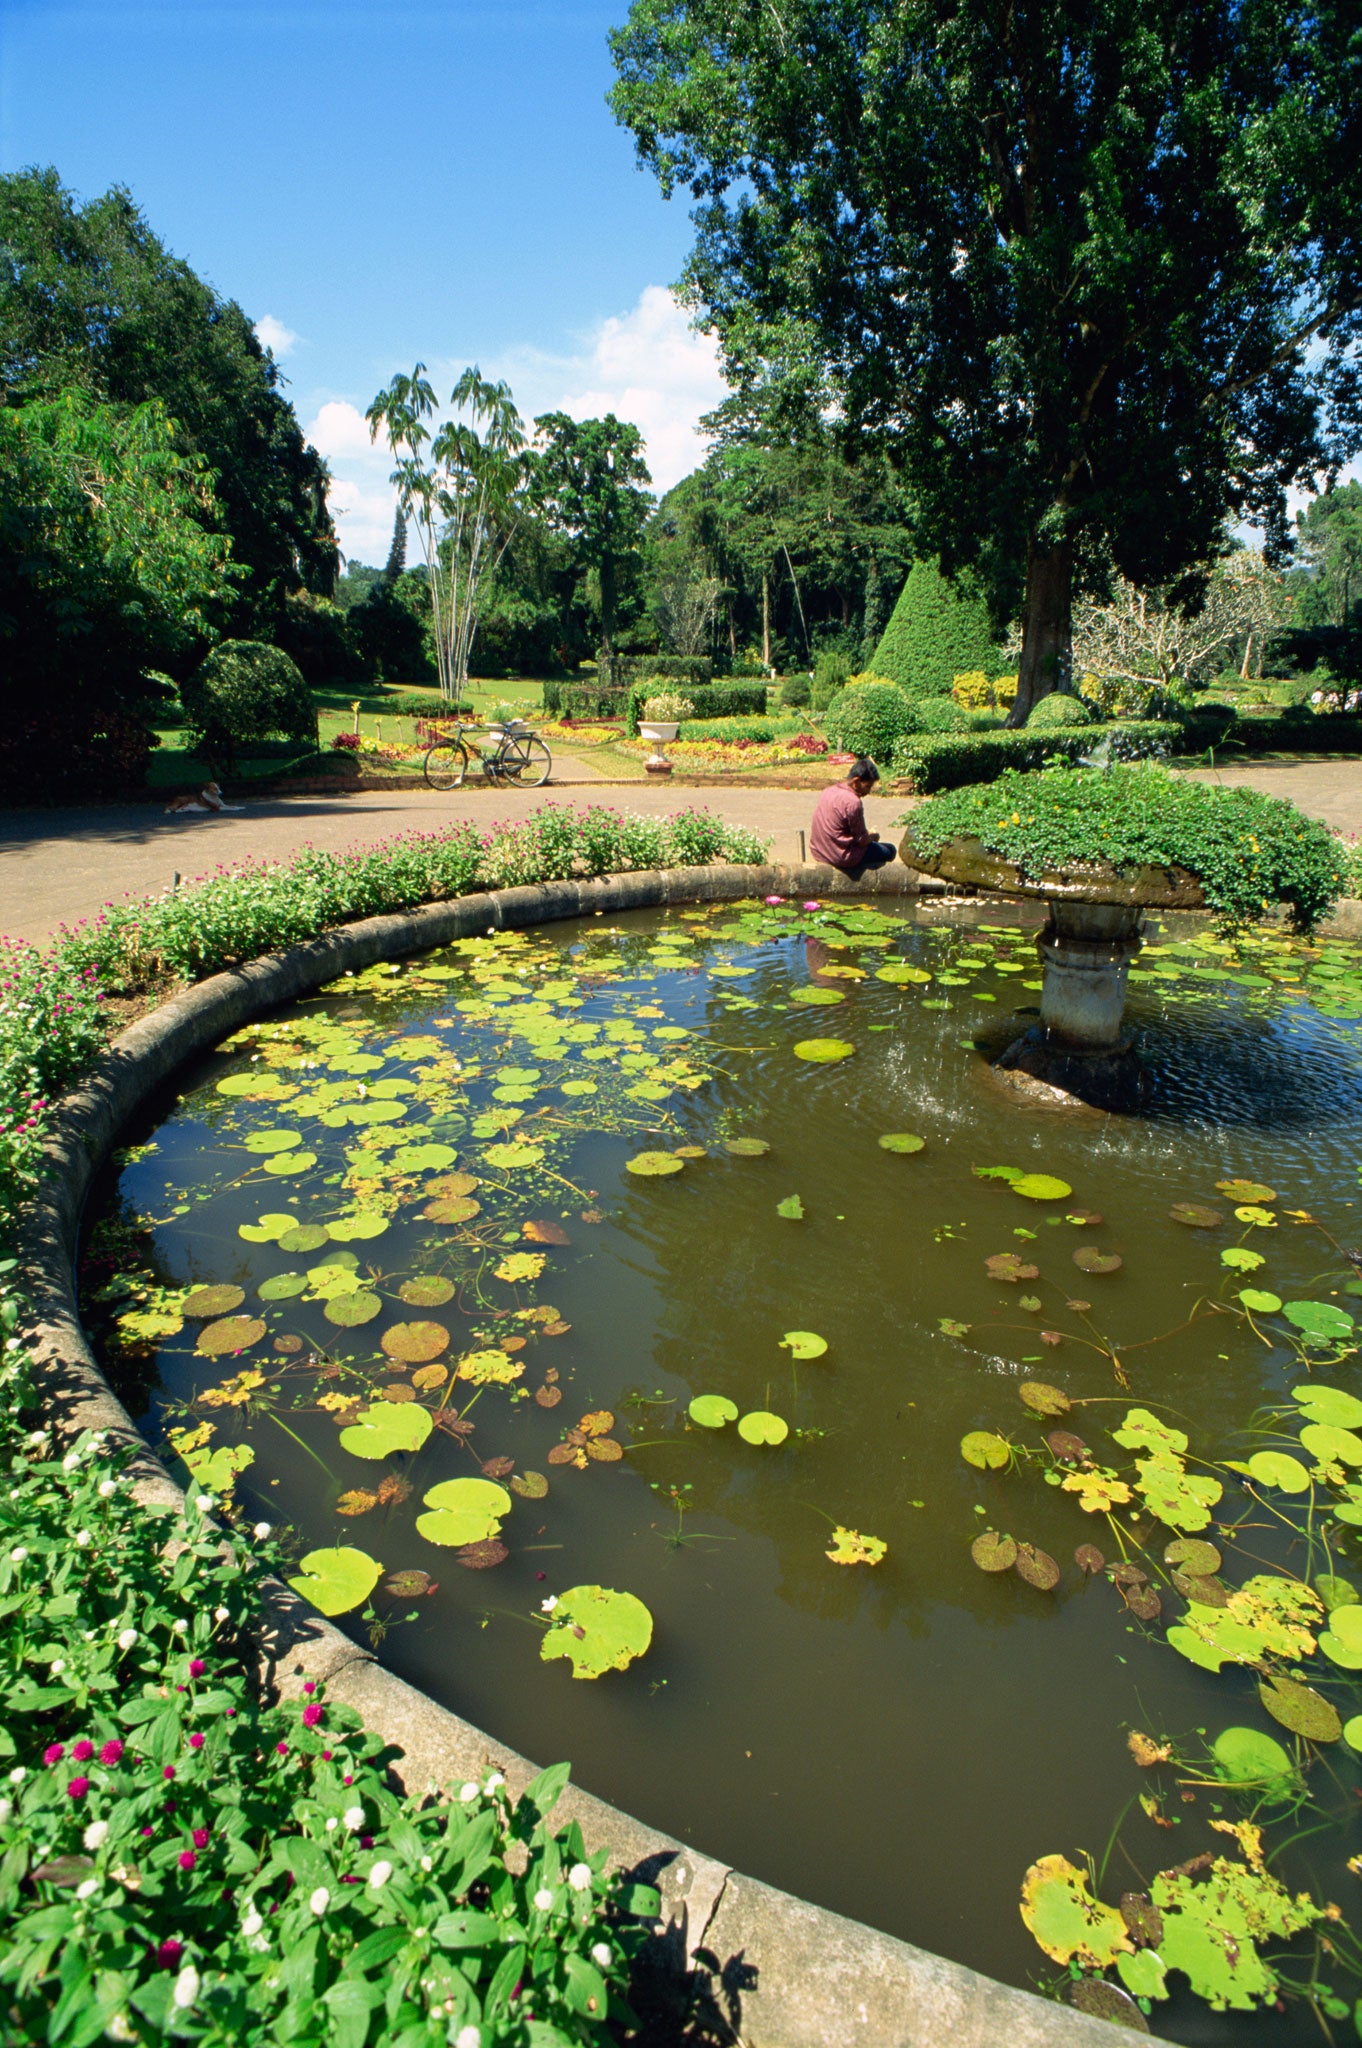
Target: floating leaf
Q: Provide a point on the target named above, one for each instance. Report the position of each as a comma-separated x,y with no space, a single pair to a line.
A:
452,1209
356,1500
1259,1302
761,1427
746,1148
597,1630
335,1581
1319,1322
529,1485
993,1553
1195,1215
849,1546
1068,1448
1245,1191
1330,1445
290,1162
1043,1399
1329,1404
1211,1924
463,1511
414,1343
428,1290
1142,1431
900,1141
1102,2000
1089,1259
1089,1559
492,1368
212,1301
481,1557
900,972
352,1311
792,1209
823,1051
1248,1758
1240,1260
1279,1469
387,1426
985,1450
712,1411
308,1237
360,1225
1007,1173
543,1230
1249,1212
1181,1499
803,1344
1192,1555
812,997
1098,1491
1300,1708
1066,1920
1041,1187
510,1157
1010,1266
1336,1592
265,1142
651,1164
233,1333
519,1267
950,1328
217,1470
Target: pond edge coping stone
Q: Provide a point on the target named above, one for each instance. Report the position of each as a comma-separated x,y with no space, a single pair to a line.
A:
774,1970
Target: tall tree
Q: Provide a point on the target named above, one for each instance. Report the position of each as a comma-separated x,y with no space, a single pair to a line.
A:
91,299
1329,541
1093,272
397,550
588,480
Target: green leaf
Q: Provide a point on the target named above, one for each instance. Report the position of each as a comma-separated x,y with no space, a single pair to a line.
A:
1279,1469
712,1411
1259,1302
597,1630
823,1051
651,1164
1319,1322
1249,1758
1329,1404
791,1208
463,1511
803,1344
1062,1915
1041,1187
385,1427
900,1141
985,1450
335,1581
760,1426
1240,1260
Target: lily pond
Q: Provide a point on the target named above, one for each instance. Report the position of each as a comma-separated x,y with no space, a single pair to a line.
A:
672,1346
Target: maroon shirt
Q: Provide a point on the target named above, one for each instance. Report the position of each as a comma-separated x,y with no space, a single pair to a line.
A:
839,834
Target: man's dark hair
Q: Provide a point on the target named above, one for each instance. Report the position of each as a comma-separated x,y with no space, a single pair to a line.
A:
863,769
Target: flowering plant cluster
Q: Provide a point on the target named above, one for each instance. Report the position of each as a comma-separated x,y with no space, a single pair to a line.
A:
50,1028
180,1859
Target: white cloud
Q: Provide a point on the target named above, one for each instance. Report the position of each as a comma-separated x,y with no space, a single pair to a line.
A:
646,365
278,339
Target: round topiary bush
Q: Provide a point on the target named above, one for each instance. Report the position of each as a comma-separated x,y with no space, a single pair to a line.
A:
1056,711
867,718
938,630
941,714
243,693
796,691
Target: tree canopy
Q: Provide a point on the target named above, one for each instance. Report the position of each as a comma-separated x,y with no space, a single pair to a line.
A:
588,482
1092,273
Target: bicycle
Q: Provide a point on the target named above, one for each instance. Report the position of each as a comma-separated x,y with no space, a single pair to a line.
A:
518,756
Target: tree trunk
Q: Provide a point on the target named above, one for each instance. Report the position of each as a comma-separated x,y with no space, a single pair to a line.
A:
1047,627
765,620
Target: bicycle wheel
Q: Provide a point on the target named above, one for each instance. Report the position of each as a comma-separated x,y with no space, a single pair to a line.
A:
526,762
446,764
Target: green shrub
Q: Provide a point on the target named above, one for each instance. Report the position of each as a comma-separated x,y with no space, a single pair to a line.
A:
585,698
622,671
941,714
868,718
1248,851
938,630
831,672
245,693
1057,710
711,700
932,761
797,690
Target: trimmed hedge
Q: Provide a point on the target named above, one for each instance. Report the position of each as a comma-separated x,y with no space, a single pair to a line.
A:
711,700
584,699
933,761
619,671
938,630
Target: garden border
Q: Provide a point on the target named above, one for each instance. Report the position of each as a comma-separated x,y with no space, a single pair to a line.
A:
750,1962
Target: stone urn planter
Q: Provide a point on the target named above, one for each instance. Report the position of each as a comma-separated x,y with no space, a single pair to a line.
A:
1091,935
658,732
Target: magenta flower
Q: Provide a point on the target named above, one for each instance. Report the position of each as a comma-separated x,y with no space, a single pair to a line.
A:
196,1741
812,906
170,1951
167,1771
201,1838
310,1686
82,1752
54,1753
282,1748
197,1667
311,1716
78,1787
186,1859
111,1753
772,899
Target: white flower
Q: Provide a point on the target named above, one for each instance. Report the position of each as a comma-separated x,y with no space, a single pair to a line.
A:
6,1809
468,2037
543,1900
205,1503
379,1875
547,1606
320,1900
18,1555
87,1888
83,1539
579,1877
353,1817
37,1438
252,1924
70,1461
96,1834
221,1614
119,2029
600,1955
186,1987
468,1792
17,1775
427,1863
179,1628
126,1638
494,1783
57,1666
261,1531
331,1823
107,1488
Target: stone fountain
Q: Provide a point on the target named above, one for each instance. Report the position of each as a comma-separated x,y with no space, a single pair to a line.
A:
1078,1051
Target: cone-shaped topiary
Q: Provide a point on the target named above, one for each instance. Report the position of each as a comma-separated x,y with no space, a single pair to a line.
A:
938,630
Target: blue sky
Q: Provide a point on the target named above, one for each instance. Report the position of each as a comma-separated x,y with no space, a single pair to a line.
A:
377,185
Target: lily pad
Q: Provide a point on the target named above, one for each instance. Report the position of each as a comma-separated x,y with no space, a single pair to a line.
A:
1041,1187
1062,1915
283,1286
271,1225
1193,1556
266,1142
490,1368
1319,1322
1250,1758
649,1165
900,1141
1329,1404
1301,1709
823,1051
985,1450
529,1485
712,1411
212,1301
597,1630
803,1344
1279,1469
747,1148
352,1311
415,1343
1330,1445
1259,1302
1037,1567
452,1209
1195,1215
427,1290
993,1553
760,1426
512,1157
1089,1259
816,998
233,1333
1010,1266
792,1209
290,1162
387,1426
359,1226
463,1511
1245,1191
1341,1642
335,1581
1043,1399
308,1237
849,1546
1240,1259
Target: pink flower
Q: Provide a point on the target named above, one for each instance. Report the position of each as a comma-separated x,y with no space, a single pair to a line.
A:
186,1859
168,1771
310,1686
170,1951
196,1741
78,1787
282,1748
82,1752
112,1752
812,906
772,899
311,1716
197,1667
54,1753
201,1836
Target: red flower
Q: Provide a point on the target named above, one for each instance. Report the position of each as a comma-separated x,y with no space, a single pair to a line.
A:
168,1770
196,1741
201,1838
197,1667
169,1952
82,1752
78,1787
311,1716
112,1752
55,1753
187,1859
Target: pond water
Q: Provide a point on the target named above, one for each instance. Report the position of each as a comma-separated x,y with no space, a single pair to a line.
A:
417,1200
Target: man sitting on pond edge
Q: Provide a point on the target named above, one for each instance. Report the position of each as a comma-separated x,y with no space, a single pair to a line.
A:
840,836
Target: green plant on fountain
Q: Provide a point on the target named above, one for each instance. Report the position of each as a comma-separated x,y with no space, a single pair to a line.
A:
1100,848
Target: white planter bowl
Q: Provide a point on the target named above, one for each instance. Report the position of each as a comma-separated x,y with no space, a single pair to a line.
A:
650,729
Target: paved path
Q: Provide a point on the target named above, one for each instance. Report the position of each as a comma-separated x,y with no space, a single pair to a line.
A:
58,866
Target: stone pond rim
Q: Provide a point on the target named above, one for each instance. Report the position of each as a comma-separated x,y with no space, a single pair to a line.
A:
967,863
760,1965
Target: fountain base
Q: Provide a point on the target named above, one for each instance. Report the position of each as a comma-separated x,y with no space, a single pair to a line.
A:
1056,1075
1078,1051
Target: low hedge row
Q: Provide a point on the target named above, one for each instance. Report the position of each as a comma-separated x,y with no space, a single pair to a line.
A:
932,761
585,699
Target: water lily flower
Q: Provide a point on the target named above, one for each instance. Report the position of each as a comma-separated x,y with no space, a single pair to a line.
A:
547,1606
811,906
772,899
